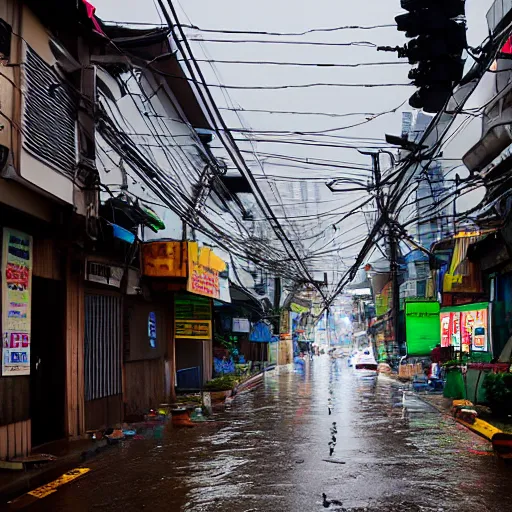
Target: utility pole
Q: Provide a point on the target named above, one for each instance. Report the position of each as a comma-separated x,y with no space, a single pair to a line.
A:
457,182
392,242
327,323
385,219
393,263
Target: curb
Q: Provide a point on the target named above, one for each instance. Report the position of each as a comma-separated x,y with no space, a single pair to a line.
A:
25,481
437,408
481,428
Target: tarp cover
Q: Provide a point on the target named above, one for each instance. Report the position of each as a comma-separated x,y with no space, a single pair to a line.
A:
260,333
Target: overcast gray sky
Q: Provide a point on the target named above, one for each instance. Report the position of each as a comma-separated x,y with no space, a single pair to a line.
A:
300,15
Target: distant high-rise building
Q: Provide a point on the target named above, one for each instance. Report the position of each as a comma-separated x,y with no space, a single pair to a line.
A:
432,220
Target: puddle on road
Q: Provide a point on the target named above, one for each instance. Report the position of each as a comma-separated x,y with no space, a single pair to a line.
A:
377,450
389,451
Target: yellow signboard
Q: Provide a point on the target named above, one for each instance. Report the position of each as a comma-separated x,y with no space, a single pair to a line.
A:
193,329
204,267
165,259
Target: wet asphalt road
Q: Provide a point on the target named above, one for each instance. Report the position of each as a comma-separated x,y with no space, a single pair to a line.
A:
270,452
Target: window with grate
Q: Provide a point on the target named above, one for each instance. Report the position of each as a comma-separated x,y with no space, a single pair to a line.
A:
102,347
5,41
49,117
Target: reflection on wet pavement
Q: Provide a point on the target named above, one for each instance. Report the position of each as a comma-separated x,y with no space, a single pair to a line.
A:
325,439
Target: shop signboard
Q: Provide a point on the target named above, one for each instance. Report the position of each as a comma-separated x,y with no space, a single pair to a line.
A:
16,302
192,317
165,259
298,308
204,267
466,326
152,329
199,330
383,300
104,274
284,324
422,327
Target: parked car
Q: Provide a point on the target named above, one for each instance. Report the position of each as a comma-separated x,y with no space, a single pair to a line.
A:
365,365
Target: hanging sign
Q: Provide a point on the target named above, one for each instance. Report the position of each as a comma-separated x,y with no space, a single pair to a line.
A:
204,267
192,317
16,302
104,274
164,259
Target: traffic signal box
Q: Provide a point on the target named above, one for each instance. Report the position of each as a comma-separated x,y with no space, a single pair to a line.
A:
438,29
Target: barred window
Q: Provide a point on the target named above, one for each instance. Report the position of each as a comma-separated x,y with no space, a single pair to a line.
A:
49,117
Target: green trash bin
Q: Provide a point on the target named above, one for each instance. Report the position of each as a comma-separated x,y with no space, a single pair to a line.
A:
474,385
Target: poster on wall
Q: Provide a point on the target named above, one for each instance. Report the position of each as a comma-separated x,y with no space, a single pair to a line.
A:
474,330
16,301
455,330
241,325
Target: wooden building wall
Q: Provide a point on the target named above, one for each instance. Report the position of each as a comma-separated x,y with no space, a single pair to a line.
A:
144,386
15,439
75,407
104,412
15,423
15,432
14,399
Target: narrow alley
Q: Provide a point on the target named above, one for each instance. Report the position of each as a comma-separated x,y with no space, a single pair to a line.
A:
255,256
270,451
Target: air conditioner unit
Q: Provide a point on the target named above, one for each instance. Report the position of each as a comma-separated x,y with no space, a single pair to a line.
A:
497,132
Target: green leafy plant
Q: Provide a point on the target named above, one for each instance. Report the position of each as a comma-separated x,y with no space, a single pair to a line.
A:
498,390
224,383
230,343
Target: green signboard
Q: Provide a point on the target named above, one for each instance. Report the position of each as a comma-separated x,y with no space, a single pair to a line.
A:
422,327
191,307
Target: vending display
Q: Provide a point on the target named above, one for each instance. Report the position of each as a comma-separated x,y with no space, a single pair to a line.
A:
465,326
445,330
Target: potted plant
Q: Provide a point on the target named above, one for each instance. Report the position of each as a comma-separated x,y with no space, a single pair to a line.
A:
498,391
